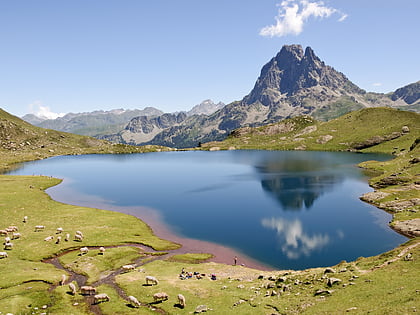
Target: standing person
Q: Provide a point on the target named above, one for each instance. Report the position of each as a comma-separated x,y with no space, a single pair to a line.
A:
235,260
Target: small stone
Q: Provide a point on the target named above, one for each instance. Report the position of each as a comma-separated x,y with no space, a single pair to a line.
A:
351,309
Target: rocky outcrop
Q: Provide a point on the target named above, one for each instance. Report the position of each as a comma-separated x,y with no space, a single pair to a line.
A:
294,83
409,93
145,124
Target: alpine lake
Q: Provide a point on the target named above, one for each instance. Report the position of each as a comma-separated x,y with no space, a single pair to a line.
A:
285,209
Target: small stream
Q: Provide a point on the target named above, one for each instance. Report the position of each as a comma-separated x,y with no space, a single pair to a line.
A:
109,280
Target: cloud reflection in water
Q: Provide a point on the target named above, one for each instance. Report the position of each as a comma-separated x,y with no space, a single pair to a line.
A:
294,241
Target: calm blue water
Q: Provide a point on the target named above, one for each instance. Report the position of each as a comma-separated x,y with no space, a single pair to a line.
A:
286,209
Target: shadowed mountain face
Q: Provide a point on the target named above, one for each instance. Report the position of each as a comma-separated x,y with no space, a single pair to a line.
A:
292,71
295,82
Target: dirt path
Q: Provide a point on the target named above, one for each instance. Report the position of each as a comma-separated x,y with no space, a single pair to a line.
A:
110,278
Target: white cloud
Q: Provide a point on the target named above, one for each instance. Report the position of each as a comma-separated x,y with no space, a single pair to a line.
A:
42,111
343,17
295,242
293,14
377,84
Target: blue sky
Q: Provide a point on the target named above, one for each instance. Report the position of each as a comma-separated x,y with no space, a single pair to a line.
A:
78,55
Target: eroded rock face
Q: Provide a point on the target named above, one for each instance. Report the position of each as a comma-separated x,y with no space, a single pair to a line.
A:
410,227
292,70
145,124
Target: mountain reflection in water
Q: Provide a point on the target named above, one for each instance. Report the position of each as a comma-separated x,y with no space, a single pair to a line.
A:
251,201
297,183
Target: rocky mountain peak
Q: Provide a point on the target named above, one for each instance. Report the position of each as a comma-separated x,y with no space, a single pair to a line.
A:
291,71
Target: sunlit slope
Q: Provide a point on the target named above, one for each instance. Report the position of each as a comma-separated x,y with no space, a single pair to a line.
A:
367,130
21,141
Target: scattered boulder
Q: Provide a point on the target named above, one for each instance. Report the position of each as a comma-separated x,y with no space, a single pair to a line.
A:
405,129
323,292
201,308
324,139
329,270
332,281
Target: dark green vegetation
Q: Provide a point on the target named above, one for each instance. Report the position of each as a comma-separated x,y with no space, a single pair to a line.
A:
385,284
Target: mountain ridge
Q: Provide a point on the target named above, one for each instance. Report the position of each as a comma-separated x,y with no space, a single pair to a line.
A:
294,82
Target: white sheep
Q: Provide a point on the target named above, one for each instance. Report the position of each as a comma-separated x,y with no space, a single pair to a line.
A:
127,268
4,232
79,233
102,297
151,279
133,301
39,228
25,219
7,240
181,300
72,288
58,240
84,250
59,230
78,237
101,250
16,235
3,255
8,246
12,228
160,296
88,290
49,238
67,238
63,279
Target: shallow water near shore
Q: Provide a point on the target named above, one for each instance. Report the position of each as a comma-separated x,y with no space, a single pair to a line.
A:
286,210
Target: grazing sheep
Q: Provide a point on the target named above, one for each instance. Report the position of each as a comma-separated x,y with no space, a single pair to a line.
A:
151,279
102,297
25,219
72,288
127,268
133,301
63,279
84,250
7,240
161,296
67,238
87,290
16,235
8,246
12,229
181,300
3,255
49,238
60,230
78,237
4,232
79,233
58,240
39,228
101,250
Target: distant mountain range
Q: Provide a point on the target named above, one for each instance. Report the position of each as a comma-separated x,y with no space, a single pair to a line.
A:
99,123
294,82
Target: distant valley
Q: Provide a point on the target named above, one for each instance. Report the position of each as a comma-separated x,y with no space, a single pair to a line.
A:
295,82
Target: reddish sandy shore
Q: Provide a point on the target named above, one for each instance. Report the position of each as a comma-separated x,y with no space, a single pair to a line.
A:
222,254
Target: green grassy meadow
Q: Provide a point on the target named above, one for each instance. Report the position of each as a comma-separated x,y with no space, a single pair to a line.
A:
384,284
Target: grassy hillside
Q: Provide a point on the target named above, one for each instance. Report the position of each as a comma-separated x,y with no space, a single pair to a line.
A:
385,284
21,141
381,130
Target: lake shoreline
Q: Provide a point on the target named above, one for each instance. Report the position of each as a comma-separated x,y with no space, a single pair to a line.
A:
221,254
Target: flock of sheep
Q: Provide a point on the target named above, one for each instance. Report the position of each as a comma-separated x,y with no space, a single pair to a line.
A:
103,297
11,233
